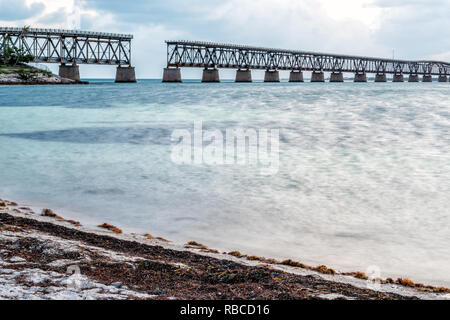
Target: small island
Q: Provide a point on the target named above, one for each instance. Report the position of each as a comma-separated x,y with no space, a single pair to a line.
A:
23,74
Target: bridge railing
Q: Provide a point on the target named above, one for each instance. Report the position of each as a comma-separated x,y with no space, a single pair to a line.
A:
70,46
211,55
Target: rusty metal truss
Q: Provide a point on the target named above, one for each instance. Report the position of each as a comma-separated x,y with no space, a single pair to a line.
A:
69,46
212,55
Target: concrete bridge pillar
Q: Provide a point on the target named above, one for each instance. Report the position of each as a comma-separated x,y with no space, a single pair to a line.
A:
398,78
380,77
427,78
360,77
296,76
210,75
244,75
172,75
125,75
443,78
413,78
71,72
337,77
317,76
272,76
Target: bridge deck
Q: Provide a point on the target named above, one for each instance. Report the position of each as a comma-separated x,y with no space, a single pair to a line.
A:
213,55
70,46
68,33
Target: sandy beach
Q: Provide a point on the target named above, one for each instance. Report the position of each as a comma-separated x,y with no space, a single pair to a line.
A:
44,256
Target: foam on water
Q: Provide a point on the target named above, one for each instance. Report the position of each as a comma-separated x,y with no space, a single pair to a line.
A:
364,173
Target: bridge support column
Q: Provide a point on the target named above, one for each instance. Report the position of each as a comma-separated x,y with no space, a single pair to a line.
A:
211,75
337,77
443,78
244,76
427,78
381,77
172,75
71,72
125,75
360,77
413,78
317,76
272,76
296,76
398,78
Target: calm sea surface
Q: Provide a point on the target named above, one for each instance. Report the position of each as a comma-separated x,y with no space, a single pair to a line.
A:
364,172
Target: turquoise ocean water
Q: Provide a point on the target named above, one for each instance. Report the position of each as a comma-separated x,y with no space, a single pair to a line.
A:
363,180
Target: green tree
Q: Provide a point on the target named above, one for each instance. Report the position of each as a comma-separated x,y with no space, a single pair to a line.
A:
12,55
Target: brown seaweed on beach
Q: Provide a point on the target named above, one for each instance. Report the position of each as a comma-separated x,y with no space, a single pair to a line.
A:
73,222
324,270
151,237
255,258
294,264
50,214
217,273
195,245
357,275
177,274
111,228
211,251
199,246
420,286
441,290
237,254
10,228
406,282
321,269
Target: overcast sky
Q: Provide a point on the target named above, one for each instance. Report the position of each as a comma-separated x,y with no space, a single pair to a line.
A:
413,29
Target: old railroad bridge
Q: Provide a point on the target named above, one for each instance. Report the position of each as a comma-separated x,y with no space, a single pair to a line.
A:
212,56
70,48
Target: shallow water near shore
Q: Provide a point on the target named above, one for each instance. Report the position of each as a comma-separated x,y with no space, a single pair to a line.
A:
364,174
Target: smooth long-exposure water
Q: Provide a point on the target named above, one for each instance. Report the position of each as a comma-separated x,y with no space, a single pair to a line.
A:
363,180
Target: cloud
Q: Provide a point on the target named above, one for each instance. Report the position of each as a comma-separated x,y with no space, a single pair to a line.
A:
320,25
416,29
408,3
19,10
444,56
283,23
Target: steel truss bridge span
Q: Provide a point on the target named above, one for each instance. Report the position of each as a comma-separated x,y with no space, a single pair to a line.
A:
70,46
212,55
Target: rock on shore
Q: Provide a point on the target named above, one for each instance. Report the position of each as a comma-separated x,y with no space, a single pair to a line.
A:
27,75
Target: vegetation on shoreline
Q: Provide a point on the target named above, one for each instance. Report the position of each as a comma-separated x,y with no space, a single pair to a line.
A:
25,72
13,61
11,55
